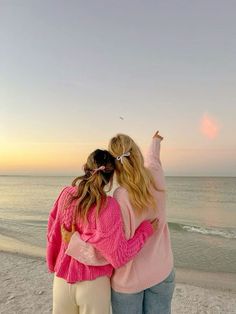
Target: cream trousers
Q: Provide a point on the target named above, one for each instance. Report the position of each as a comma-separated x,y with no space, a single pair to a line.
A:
84,297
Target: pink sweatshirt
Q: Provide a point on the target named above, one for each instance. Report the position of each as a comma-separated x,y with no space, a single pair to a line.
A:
155,261
105,234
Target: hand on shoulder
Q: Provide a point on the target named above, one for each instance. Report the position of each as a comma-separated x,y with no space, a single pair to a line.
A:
154,224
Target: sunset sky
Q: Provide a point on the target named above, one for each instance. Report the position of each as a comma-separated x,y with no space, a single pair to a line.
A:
70,69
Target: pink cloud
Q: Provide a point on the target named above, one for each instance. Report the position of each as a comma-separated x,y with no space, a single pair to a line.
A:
209,126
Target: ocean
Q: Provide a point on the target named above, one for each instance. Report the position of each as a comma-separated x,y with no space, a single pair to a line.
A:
201,214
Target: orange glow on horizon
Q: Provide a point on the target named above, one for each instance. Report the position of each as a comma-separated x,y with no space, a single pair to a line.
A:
41,157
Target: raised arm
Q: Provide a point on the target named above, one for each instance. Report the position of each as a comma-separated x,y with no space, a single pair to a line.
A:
153,162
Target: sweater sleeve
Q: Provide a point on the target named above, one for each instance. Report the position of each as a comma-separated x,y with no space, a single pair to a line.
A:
53,235
110,240
153,162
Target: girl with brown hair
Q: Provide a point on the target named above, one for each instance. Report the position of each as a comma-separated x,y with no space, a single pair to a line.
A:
85,208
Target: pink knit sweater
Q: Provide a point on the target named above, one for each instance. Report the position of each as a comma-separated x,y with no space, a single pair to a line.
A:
105,234
155,261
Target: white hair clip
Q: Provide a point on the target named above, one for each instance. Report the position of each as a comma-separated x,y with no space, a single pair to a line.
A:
123,155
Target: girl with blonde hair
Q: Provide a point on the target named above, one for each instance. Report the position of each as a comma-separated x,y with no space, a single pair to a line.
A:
85,208
144,285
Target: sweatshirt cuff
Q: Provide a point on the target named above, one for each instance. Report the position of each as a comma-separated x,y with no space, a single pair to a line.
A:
72,245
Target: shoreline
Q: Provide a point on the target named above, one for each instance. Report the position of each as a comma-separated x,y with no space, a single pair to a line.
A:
27,287
208,280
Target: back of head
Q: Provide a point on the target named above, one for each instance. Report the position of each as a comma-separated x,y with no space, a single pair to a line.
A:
98,172
100,167
131,172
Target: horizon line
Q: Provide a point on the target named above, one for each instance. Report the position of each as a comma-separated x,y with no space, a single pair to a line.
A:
58,175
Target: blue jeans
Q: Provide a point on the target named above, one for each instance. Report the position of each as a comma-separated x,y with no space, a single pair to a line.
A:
154,300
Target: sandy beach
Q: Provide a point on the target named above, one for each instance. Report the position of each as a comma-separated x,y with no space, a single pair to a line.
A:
26,287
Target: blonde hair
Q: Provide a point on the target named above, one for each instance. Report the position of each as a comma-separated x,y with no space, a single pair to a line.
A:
131,172
91,185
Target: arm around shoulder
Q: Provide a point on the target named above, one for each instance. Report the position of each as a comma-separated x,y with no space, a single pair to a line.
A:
110,240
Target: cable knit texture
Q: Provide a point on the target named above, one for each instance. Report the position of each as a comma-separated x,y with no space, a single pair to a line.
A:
105,234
